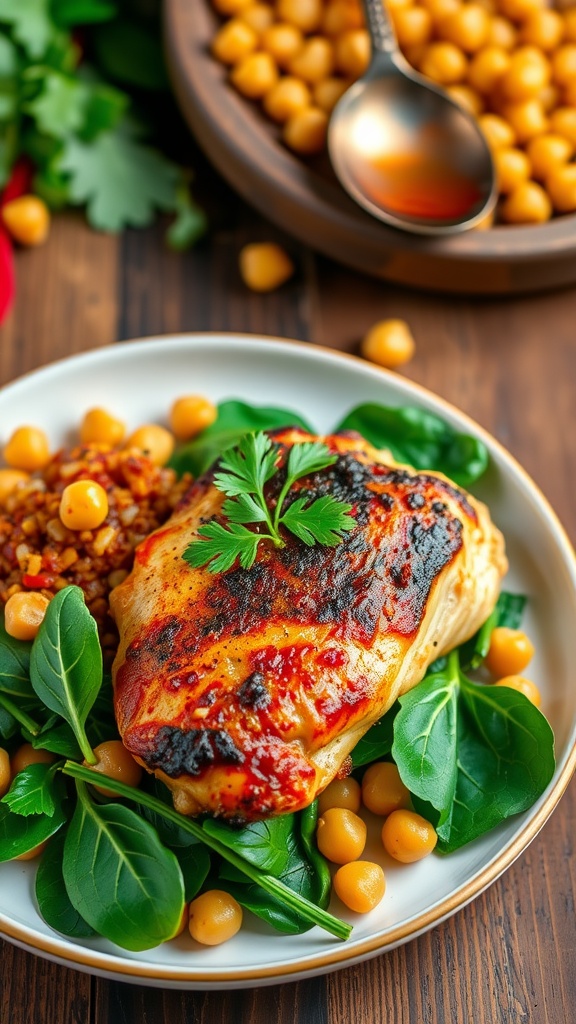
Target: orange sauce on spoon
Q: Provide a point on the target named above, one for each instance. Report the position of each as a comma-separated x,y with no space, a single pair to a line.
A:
430,189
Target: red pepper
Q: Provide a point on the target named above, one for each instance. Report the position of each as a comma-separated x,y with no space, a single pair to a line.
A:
20,182
42,581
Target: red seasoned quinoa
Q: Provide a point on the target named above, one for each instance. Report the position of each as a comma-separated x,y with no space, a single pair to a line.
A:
37,552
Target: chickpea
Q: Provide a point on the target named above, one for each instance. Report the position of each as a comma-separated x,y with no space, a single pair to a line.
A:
487,67
520,10
561,186
255,75
5,774
34,852
522,685
413,25
388,343
305,132
264,266
234,41
444,63
328,92
510,651
282,42
563,64
154,441
190,415
27,219
117,762
24,613
440,9
26,755
563,121
360,885
467,27
215,917
549,97
527,204
382,788
9,480
467,98
497,131
512,168
229,7
305,14
501,33
258,16
340,793
100,427
569,95
570,24
341,835
527,119
84,505
314,61
286,98
352,50
544,29
526,76
407,836
547,152
27,449
340,15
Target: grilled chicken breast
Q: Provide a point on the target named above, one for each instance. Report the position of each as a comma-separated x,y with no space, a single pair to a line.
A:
245,691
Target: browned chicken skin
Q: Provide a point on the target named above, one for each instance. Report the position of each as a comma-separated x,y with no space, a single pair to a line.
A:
246,690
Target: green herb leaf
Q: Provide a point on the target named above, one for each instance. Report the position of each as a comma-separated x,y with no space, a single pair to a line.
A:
235,420
66,662
71,13
243,474
420,439
14,665
195,863
58,739
121,181
8,724
19,834
190,223
322,522
53,900
119,877
510,609
263,843
30,22
60,107
35,790
220,547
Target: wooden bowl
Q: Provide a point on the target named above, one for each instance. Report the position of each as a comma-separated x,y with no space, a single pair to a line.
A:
305,199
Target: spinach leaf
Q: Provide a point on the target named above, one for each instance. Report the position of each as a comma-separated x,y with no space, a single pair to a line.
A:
169,833
263,843
421,439
119,877
471,754
8,724
510,608
195,863
58,739
66,662
234,420
505,761
53,900
35,790
377,742
20,835
14,665
306,873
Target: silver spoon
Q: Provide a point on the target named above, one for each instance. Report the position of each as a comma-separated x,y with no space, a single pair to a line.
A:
403,149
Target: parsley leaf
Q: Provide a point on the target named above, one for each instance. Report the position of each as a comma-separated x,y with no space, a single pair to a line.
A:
242,475
33,791
31,24
122,181
60,107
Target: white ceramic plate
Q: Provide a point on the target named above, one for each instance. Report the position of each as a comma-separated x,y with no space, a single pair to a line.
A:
138,381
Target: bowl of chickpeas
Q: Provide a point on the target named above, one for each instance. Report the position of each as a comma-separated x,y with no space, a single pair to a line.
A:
257,81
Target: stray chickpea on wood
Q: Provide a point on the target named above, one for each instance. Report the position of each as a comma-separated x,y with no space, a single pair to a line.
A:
388,343
264,266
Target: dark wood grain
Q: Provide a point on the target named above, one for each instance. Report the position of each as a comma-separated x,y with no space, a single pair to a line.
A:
507,958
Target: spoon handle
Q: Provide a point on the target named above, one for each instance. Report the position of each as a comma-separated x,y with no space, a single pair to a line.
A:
380,27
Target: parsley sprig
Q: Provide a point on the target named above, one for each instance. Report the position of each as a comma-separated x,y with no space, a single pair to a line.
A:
242,476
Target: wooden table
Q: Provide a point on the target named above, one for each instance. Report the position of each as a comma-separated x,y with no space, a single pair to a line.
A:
511,364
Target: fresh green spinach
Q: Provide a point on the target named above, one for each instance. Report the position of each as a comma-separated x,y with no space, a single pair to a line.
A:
66,662
19,834
53,900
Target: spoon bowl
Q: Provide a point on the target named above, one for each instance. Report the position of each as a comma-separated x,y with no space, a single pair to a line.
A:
404,150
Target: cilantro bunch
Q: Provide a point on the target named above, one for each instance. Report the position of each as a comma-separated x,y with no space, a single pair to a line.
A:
73,77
